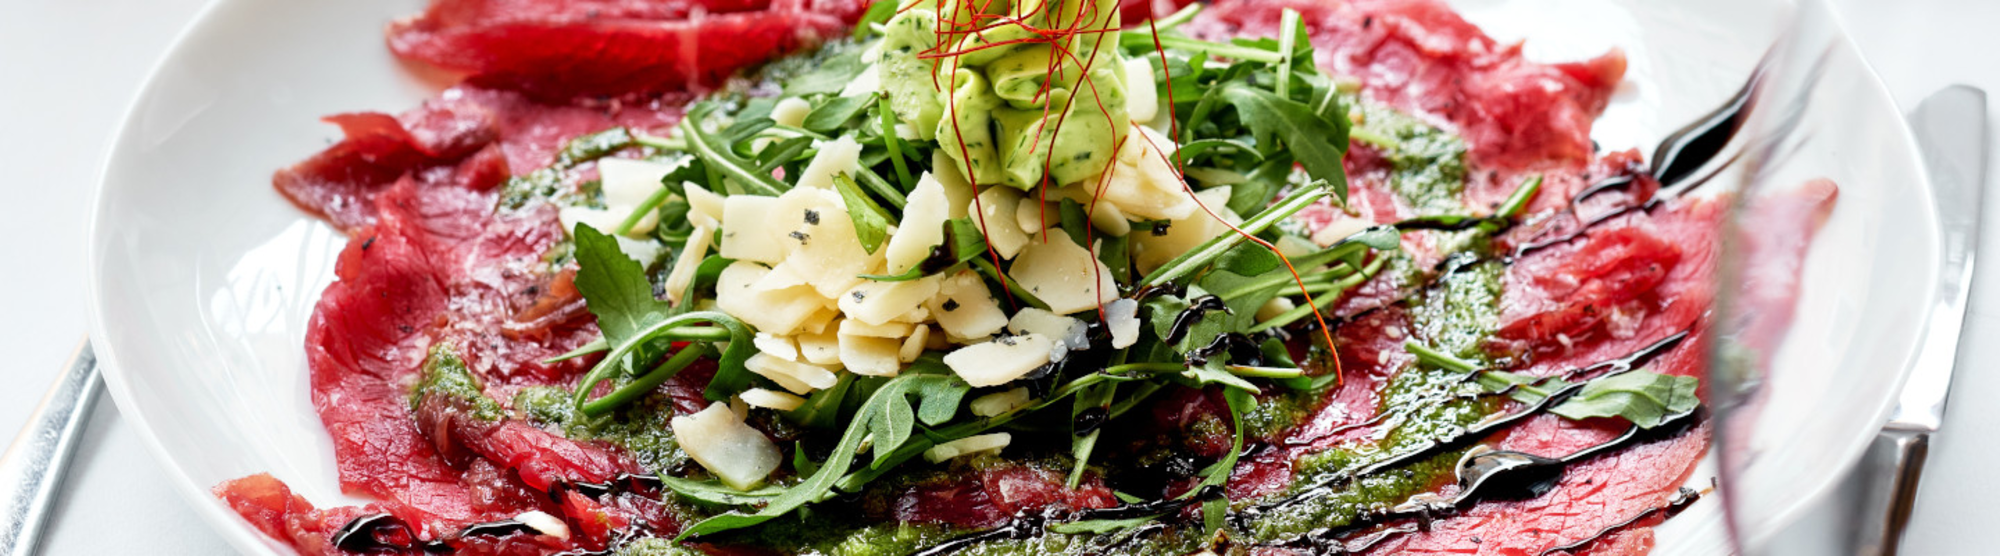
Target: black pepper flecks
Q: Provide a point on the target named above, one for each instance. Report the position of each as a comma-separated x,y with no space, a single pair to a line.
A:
950,305
812,217
801,236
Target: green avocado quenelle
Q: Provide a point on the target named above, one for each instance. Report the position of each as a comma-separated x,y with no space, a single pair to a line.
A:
1012,108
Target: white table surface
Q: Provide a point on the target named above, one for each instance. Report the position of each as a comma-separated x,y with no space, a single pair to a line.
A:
68,69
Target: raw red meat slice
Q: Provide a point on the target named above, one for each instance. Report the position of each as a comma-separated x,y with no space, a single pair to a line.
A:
992,495
430,142
567,49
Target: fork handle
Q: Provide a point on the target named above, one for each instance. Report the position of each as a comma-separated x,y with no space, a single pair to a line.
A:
1898,460
32,470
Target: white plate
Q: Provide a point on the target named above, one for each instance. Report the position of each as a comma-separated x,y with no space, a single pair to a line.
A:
203,277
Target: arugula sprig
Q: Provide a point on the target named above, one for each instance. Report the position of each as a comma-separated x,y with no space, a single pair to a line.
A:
637,327
1644,398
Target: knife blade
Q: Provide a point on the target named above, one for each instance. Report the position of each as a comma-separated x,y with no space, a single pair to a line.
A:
1951,132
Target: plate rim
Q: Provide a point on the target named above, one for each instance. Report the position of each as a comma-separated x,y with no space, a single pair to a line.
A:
232,527
244,536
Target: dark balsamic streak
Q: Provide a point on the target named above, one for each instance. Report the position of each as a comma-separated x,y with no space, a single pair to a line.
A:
1240,347
1678,503
1687,149
1491,475
1467,435
500,528
1445,223
1675,162
379,532
1023,526
1197,308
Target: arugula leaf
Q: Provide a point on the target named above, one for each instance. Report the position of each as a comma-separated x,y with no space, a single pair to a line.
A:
1193,260
1081,445
822,408
1215,374
1519,200
714,492
965,239
876,415
1318,144
894,144
1644,398
1116,254
1101,526
1074,221
882,187
830,75
614,287
1261,184
781,153
1217,474
871,223
716,151
1439,359
593,346
705,276
832,115
940,400
878,13
806,491
1194,149
891,428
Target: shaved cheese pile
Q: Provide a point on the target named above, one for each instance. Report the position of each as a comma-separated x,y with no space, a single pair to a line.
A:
798,266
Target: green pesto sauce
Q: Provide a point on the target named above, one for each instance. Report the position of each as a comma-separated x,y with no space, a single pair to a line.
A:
1461,311
1456,316
444,374
1428,163
640,428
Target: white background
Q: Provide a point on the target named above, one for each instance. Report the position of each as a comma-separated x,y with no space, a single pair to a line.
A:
68,68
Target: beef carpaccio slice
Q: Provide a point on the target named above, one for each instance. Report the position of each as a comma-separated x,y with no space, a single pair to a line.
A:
433,262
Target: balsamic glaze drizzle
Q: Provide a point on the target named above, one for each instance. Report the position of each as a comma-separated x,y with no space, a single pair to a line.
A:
1197,308
1675,505
1490,475
381,532
1023,526
1325,487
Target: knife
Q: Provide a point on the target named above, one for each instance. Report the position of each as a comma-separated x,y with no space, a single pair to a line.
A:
1951,133
31,471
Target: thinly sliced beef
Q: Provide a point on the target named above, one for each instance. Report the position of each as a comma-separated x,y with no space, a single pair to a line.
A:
434,142
431,260
567,49
989,496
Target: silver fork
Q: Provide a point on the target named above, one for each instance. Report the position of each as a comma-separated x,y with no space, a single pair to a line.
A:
31,471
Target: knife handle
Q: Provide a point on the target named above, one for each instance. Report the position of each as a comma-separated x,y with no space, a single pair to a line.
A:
1897,461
